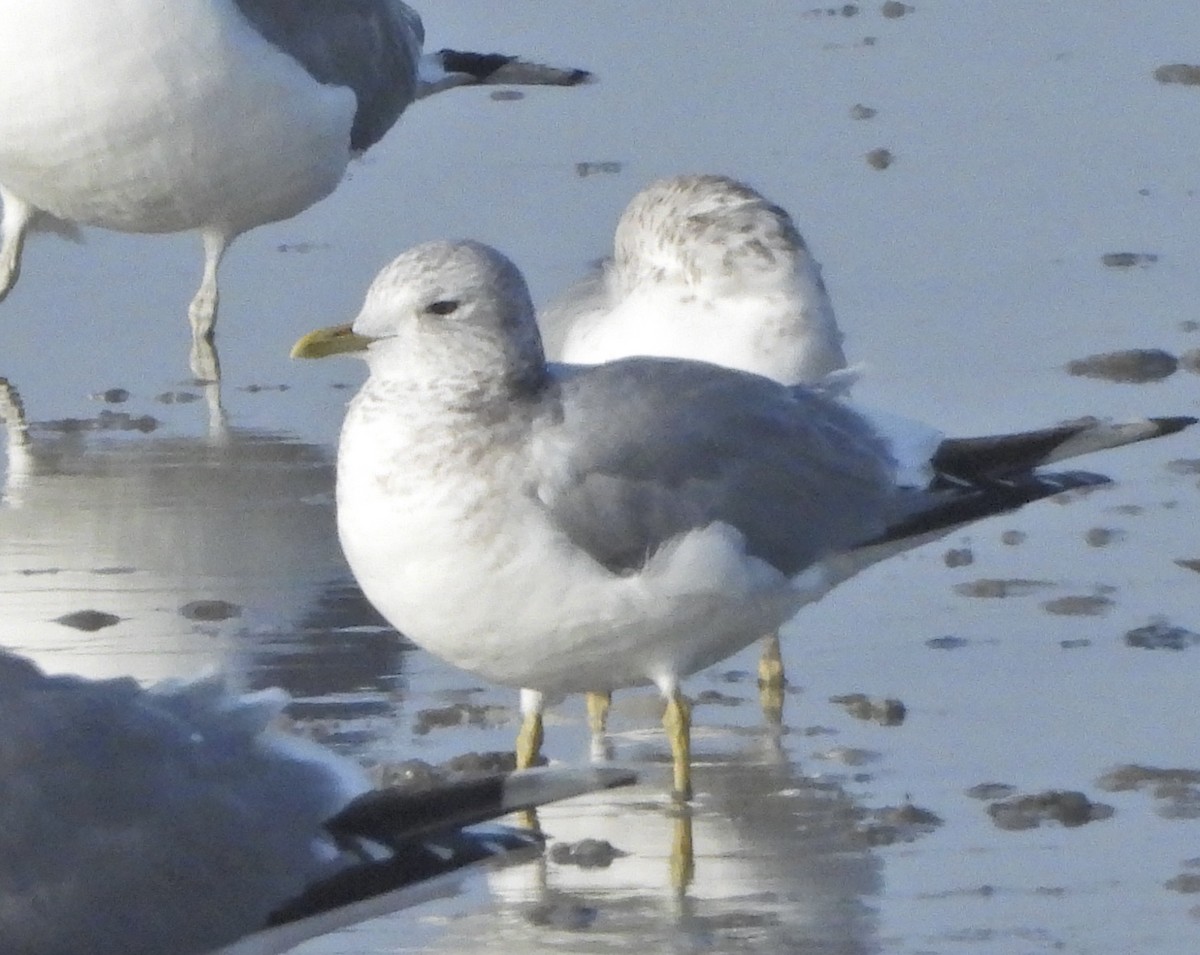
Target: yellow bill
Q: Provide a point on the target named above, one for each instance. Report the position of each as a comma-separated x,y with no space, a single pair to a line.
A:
335,340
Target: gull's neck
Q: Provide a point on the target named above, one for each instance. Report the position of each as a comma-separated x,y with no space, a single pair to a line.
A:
470,378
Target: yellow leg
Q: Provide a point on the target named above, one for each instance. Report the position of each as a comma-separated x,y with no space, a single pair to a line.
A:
771,680
683,857
528,819
529,747
770,664
529,740
597,706
677,720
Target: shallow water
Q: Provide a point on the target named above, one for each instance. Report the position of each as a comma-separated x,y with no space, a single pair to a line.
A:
1030,142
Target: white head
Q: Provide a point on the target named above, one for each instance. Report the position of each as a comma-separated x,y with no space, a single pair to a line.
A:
451,315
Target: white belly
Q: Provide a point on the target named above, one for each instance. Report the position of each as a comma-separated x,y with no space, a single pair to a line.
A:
766,332
508,598
154,116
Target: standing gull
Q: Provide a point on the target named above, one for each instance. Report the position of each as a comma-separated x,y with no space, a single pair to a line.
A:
704,267
175,819
572,529
207,115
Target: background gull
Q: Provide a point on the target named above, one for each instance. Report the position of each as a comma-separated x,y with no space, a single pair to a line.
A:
704,267
177,820
207,115
578,529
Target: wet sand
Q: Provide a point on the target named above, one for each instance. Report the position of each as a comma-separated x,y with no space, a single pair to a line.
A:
1055,667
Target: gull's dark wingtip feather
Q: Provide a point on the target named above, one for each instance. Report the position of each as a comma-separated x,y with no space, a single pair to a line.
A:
423,832
1007,455
414,863
1174,423
986,499
614,778
496,68
393,815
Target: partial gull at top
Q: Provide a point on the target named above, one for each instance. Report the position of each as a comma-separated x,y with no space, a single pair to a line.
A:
703,267
207,115
177,820
573,529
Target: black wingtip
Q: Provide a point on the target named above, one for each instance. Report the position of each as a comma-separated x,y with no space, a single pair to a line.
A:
422,828
479,65
1174,423
1006,455
497,68
415,863
577,77
965,505
395,814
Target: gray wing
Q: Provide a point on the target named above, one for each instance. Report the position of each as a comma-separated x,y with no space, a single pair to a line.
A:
371,46
638,451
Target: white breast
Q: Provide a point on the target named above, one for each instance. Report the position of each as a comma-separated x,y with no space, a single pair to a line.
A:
478,574
156,117
770,329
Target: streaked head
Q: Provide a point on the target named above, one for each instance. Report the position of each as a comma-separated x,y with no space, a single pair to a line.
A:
701,228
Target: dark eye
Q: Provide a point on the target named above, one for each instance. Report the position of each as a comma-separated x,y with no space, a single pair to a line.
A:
443,307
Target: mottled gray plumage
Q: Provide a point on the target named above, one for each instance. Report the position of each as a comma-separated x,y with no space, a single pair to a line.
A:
725,221
371,46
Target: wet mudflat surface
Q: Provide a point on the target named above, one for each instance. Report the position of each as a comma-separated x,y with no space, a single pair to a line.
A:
1017,772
